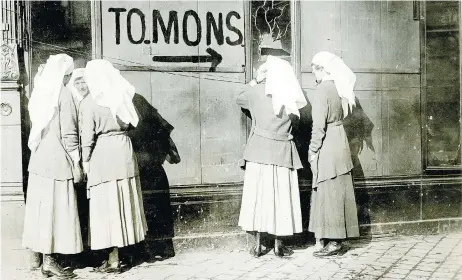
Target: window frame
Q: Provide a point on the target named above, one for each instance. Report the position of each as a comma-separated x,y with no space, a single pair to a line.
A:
96,30
426,167
295,22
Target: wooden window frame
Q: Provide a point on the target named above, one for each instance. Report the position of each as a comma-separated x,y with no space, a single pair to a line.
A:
426,168
295,37
96,30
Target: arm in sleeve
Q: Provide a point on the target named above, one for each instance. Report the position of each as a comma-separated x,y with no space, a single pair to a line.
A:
166,126
319,115
162,126
87,131
242,98
68,125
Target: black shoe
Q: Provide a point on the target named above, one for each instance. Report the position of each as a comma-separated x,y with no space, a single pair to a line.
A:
333,248
101,268
115,268
256,251
105,267
323,245
35,260
283,251
52,268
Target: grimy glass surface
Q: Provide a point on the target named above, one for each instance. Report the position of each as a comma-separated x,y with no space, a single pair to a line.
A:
271,30
60,27
443,83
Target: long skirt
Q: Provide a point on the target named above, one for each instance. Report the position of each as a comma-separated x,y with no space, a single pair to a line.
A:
333,212
116,214
270,200
51,222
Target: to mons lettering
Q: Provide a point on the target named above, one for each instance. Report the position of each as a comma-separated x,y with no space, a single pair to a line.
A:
172,27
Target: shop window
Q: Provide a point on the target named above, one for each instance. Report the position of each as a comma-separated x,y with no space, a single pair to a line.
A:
271,30
442,79
60,27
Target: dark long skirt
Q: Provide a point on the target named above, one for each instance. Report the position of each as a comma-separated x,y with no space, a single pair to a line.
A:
333,212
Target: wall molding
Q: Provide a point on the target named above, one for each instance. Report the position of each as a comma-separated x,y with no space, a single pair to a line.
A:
11,192
227,190
214,192
10,86
377,230
375,70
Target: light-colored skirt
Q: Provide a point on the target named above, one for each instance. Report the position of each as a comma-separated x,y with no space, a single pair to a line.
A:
270,200
333,209
51,222
116,214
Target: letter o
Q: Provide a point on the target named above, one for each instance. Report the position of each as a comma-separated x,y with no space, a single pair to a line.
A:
185,28
129,26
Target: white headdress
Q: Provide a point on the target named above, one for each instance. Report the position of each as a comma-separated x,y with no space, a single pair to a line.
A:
342,76
109,88
76,74
283,86
45,95
39,73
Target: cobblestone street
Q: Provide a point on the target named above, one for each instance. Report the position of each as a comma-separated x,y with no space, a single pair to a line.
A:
409,257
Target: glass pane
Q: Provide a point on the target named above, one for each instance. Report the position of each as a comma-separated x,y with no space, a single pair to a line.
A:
271,30
60,27
443,84
442,15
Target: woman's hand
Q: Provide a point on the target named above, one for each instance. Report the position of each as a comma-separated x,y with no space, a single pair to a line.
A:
86,167
311,158
253,83
77,172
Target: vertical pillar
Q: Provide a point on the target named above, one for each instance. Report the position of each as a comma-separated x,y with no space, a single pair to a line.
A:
10,110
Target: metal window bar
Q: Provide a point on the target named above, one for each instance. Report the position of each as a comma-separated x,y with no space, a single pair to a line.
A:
13,21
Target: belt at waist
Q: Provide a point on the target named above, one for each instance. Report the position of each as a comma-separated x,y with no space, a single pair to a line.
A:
113,133
271,135
333,124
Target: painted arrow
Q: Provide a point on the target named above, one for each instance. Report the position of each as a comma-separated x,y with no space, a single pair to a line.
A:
213,57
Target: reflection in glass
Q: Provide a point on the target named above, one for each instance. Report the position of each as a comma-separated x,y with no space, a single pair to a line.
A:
271,30
60,27
443,83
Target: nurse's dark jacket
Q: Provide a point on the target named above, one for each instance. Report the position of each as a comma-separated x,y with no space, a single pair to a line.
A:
270,141
328,140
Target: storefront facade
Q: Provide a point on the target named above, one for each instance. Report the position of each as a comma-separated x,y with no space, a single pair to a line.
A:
188,59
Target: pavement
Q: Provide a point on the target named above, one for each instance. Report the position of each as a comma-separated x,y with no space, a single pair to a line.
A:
393,257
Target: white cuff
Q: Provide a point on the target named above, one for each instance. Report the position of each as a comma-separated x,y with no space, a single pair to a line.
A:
312,157
75,155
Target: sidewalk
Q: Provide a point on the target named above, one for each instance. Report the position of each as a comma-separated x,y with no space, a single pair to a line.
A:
398,257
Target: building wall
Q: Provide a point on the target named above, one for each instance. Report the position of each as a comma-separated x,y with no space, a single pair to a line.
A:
209,132
209,128
379,40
